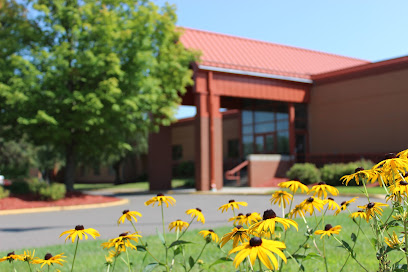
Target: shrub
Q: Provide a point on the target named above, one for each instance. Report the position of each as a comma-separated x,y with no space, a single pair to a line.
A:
54,191
331,173
19,187
184,169
307,173
4,192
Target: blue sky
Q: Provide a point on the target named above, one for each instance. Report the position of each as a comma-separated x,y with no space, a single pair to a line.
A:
372,30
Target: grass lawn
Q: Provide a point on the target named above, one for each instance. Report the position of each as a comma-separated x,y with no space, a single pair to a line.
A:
349,190
91,256
143,185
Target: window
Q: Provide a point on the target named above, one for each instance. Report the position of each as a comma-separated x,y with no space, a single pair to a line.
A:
96,170
177,152
233,148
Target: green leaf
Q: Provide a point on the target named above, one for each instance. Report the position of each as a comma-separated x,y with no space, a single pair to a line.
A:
141,248
221,260
312,255
277,228
150,267
191,262
346,246
161,237
178,251
353,237
179,242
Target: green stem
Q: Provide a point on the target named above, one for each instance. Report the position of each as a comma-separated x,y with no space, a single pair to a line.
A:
365,190
128,262
164,236
324,256
406,239
184,231
260,265
199,255
354,245
250,265
29,267
114,262
350,252
73,261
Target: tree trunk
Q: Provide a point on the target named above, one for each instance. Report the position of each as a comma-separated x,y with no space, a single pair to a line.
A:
69,178
116,167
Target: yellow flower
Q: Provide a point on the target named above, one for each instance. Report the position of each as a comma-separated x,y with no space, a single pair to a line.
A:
11,257
358,175
178,225
251,218
391,166
239,219
359,213
237,234
344,205
294,185
196,213
80,230
332,205
297,210
312,203
393,241
321,190
281,197
122,242
160,199
269,221
129,215
50,260
232,204
399,187
403,154
210,234
372,209
328,230
262,249
28,256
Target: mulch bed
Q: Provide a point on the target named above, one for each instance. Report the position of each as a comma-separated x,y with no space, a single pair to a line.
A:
28,201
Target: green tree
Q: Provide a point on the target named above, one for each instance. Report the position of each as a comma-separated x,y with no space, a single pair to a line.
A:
103,72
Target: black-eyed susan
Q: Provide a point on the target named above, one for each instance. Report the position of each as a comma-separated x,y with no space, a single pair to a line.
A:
196,213
210,235
297,210
372,209
122,242
394,241
11,256
391,167
312,203
160,199
294,185
399,188
237,234
129,215
328,230
331,204
178,225
261,249
321,190
359,213
281,198
251,218
232,204
50,260
239,219
269,221
358,175
345,204
80,231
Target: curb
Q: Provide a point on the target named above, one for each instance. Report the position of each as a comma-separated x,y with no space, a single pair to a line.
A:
65,208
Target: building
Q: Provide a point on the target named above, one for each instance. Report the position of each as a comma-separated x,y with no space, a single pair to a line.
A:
284,104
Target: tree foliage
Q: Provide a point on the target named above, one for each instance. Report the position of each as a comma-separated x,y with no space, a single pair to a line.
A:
102,72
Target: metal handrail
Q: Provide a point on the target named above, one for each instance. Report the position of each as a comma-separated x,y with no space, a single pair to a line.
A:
234,173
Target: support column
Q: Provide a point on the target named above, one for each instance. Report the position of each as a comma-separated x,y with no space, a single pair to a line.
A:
292,136
159,160
216,158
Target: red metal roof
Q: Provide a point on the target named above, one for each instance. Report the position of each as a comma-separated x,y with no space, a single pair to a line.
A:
230,52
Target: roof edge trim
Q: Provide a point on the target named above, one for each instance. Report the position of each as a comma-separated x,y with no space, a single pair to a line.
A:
255,74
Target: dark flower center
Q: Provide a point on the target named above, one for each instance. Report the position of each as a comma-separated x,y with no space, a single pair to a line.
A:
360,211
330,198
125,211
358,169
268,214
47,256
79,227
160,194
231,201
11,253
210,230
248,214
390,156
403,183
322,183
238,226
255,241
310,199
406,174
342,203
240,214
327,227
123,234
370,205
198,209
